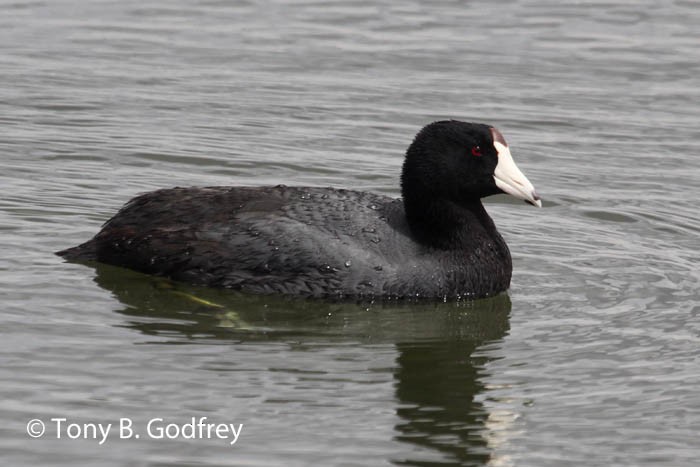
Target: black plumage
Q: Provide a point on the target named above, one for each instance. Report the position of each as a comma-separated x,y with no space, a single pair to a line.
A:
437,241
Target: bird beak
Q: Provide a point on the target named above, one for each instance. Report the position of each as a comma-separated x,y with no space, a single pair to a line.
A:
510,179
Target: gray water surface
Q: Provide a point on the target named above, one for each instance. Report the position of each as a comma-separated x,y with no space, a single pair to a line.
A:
592,357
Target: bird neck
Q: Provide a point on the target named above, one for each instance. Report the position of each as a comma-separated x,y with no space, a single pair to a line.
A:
444,224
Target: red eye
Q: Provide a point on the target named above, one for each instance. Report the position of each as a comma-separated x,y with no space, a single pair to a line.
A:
476,151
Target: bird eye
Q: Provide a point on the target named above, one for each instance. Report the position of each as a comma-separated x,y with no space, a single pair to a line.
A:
476,151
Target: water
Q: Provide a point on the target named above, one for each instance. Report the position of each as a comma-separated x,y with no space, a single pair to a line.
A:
592,357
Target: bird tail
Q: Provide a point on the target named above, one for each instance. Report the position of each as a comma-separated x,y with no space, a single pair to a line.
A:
84,252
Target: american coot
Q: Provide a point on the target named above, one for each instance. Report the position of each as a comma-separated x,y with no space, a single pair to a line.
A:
435,242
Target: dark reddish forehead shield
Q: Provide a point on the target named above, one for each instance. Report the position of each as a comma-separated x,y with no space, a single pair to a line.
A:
498,137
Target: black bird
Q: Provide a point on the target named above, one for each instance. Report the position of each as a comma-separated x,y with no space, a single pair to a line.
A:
435,242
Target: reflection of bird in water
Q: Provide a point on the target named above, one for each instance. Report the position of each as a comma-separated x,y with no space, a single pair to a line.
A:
499,430
439,373
439,384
